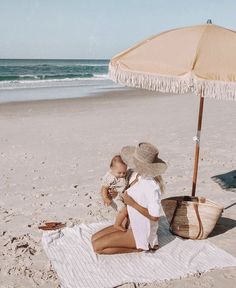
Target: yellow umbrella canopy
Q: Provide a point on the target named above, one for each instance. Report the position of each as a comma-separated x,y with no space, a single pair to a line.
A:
199,59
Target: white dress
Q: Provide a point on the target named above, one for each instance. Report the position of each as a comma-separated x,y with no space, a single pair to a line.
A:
146,192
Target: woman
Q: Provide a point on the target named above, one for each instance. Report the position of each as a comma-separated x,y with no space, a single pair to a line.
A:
143,204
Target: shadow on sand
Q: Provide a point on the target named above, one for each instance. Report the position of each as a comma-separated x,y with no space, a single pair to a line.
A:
227,181
223,225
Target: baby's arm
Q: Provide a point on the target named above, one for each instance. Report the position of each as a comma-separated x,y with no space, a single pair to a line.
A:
105,196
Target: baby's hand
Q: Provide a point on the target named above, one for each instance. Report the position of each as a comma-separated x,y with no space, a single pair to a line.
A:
113,193
107,201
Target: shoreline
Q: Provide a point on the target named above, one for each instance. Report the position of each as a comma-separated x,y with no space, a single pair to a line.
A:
122,92
62,90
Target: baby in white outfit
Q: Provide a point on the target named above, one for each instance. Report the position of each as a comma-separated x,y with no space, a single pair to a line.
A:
116,179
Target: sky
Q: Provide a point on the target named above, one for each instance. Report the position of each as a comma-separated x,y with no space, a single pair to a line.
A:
97,29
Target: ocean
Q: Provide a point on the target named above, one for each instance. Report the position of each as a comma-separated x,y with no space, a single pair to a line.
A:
35,79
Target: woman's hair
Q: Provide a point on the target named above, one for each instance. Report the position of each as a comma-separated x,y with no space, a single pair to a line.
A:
116,159
160,181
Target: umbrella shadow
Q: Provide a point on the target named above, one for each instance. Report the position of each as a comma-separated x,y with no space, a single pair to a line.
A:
227,181
223,225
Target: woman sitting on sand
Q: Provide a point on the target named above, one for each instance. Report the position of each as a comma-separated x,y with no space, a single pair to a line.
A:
143,204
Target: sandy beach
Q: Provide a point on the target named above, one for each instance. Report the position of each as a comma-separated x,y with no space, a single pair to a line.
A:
54,152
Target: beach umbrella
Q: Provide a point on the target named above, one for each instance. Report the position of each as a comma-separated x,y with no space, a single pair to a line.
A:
199,59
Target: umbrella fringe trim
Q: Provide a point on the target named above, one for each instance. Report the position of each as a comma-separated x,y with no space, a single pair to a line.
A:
154,82
173,84
220,90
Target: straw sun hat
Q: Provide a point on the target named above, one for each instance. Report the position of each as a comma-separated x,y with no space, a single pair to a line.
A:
144,159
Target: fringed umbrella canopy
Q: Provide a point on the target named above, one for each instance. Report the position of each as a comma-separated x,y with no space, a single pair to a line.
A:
199,59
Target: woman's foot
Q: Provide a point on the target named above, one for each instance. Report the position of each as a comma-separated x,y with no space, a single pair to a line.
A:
118,227
154,248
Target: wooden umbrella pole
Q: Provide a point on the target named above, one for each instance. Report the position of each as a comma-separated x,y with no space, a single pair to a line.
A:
197,146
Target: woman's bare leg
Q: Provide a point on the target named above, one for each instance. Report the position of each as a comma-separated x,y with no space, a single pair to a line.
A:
103,232
118,250
115,242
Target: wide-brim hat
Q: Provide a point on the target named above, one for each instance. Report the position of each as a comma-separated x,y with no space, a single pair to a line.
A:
144,159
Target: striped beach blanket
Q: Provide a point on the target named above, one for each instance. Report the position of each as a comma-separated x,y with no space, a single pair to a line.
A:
71,254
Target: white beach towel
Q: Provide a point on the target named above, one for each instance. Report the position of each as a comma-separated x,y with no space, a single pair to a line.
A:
76,264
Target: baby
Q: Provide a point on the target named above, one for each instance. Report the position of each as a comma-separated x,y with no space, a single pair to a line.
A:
116,179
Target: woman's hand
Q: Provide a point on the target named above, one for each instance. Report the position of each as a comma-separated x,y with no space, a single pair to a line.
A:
144,211
113,193
127,199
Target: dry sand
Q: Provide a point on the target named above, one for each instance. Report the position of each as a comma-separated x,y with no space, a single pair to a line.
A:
54,152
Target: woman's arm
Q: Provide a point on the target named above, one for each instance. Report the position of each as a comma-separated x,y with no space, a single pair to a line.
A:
144,211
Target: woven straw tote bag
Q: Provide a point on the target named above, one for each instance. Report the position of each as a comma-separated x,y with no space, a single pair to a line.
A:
191,217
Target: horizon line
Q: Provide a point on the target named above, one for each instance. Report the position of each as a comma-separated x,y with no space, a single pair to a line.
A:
54,58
